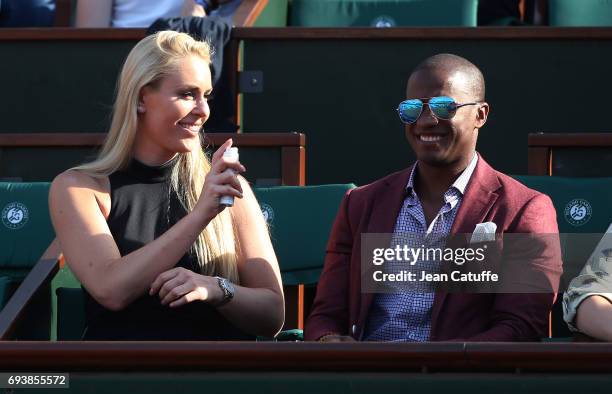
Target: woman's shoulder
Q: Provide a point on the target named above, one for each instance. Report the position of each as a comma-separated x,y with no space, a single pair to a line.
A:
76,185
80,179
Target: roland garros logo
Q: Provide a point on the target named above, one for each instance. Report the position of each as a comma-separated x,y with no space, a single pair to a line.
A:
578,212
268,213
15,215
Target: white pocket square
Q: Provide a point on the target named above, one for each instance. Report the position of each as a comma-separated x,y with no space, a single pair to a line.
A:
484,232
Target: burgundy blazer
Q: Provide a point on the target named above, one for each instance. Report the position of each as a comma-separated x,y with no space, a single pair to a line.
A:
341,308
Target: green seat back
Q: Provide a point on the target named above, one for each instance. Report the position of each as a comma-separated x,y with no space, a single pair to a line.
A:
25,225
383,13
580,12
595,193
584,212
70,313
300,220
67,306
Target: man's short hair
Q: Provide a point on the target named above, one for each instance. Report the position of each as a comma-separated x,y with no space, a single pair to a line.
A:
449,63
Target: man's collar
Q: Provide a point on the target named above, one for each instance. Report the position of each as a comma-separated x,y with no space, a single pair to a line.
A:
460,183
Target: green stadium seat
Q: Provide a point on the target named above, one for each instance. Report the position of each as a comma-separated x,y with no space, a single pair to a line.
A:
584,212
580,13
25,231
300,220
70,313
383,13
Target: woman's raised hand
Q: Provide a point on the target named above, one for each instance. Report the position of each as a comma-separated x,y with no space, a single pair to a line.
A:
222,180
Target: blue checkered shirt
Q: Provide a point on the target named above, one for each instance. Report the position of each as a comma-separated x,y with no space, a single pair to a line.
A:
406,316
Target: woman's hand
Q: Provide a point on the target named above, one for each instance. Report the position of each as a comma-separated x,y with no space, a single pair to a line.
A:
222,180
180,286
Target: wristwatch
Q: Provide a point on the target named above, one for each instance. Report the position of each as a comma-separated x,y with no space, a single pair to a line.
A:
228,290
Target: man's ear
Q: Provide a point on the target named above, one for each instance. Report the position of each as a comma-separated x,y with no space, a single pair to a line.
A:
482,114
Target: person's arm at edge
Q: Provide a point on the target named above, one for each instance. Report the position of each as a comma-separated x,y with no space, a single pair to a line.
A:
594,317
93,13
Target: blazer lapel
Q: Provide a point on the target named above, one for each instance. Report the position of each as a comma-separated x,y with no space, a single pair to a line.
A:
477,201
385,209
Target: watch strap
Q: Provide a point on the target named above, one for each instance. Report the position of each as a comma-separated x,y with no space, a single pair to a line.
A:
228,290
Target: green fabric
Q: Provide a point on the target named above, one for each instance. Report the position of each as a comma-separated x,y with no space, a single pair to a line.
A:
67,309
273,15
597,192
71,314
580,12
580,233
290,335
25,226
300,220
384,13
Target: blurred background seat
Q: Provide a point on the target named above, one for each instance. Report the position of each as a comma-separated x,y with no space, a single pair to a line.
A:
383,13
580,13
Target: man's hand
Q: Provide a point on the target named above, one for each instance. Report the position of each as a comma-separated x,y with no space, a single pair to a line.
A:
336,338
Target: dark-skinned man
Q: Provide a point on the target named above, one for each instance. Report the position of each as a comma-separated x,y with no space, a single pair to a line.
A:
449,190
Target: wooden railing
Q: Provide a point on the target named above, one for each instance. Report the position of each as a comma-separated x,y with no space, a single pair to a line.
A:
292,146
543,146
310,357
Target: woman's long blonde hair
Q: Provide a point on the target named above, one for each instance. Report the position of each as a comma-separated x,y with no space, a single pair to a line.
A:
150,60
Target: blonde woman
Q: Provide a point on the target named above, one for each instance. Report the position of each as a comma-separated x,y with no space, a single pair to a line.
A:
141,226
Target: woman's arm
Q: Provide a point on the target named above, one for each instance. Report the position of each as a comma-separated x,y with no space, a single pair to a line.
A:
594,317
77,204
94,13
258,304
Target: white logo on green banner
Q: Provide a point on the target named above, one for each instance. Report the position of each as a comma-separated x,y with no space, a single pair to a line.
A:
15,215
268,213
578,212
383,21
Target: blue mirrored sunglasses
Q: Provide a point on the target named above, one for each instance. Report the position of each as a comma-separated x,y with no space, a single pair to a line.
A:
442,107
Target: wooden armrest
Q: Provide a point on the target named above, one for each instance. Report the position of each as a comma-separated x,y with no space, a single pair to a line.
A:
44,270
248,12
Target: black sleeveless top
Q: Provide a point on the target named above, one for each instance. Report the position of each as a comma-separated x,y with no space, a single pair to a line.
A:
142,209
